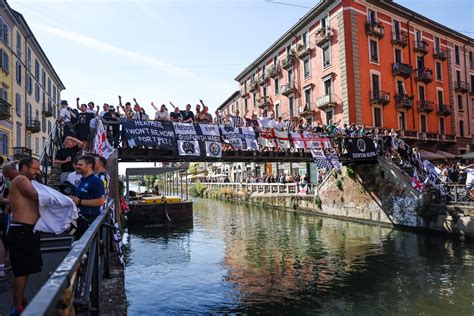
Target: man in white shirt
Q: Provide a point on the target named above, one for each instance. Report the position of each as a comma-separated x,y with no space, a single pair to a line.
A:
106,110
76,176
162,114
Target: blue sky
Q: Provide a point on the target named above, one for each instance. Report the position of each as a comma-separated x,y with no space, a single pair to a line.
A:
173,50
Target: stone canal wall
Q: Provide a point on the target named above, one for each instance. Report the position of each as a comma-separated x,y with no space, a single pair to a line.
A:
377,193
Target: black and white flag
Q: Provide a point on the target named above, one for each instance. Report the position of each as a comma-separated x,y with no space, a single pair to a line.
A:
198,140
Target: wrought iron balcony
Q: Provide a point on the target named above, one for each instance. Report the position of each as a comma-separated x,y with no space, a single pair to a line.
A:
374,28
308,109
401,69
408,134
243,91
302,51
274,70
323,35
404,101
21,152
33,125
47,110
262,79
253,86
326,101
263,102
288,61
461,86
432,136
440,54
5,110
421,47
288,89
424,74
425,106
444,110
379,97
400,38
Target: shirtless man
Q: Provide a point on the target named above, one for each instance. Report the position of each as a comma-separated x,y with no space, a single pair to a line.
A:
23,243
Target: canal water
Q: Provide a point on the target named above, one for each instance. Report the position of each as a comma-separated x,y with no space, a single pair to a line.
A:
239,259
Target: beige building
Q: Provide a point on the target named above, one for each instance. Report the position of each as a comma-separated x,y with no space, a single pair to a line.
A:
32,88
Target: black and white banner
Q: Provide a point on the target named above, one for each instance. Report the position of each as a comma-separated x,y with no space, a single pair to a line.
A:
242,138
156,134
360,148
198,140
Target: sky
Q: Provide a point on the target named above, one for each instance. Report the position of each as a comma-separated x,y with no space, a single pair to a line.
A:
174,50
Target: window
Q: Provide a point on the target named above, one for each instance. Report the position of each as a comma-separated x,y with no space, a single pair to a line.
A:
28,140
306,68
275,60
460,107
18,104
277,110
440,98
43,75
254,99
4,29
264,91
396,28
371,17
375,85
28,111
37,145
29,84
291,105
18,72
457,58
307,96
246,105
421,93
37,115
4,91
325,21
49,86
3,144
326,56
401,87
471,60
263,72
306,39
423,123
59,97
374,52
37,70
329,116
441,125
398,55
420,62
5,61
18,134
28,58
49,127
291,77
418,35
461,128
18,44
472,84
288,50
377,117
277,87
401,120
439,75
327,87
54,94
437,45
37,92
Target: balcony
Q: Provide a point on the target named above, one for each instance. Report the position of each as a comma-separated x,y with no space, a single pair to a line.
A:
308,109
288,89
262,79
253,86
47,110
409,134
447,138
326,101
288,61
21,152
379,97
302,51
323,35
431,136
424,74
274,71
5,110
374,28
263,102
404,101
425,106
33,125
440,54
243,91
461,86
421,47
444,110
401,69
400,38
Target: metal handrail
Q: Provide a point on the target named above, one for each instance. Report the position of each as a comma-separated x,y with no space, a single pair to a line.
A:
95,244
286,188
52,145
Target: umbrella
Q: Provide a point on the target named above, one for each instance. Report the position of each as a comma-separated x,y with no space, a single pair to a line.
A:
446,154
430,155
469,156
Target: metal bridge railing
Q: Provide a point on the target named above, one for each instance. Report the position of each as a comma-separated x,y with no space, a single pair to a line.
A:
271,188
75,284
52,145
457,193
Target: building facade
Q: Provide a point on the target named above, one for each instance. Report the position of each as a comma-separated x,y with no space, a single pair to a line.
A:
231,105
31,88
369,62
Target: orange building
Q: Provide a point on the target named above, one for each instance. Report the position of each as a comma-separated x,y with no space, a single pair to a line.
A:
369,62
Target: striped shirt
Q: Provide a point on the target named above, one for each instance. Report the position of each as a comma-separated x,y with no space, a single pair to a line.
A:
105,178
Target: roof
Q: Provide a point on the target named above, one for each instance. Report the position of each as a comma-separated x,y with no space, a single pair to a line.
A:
22,21
229,99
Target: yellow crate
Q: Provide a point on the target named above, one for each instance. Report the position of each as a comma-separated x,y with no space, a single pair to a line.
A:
162,199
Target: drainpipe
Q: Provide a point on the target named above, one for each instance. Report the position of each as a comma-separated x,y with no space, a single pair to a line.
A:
26,89
466,70
410,63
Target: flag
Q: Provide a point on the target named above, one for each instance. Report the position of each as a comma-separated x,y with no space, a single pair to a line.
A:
102,146
416,183
320,159
283,139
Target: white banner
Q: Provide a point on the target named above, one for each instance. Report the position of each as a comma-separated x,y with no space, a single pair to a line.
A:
298,140
283,139
102,146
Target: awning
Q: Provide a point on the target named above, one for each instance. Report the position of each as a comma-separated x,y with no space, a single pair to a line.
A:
469,156
446,154
430,155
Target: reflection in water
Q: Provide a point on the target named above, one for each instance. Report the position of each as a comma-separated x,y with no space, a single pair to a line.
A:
240,259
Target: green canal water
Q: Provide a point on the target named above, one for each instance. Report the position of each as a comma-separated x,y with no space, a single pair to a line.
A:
239,259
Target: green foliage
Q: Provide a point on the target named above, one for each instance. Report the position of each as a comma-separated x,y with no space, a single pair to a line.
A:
351,173
121,187
197,189
425,212
150,181
339,184
318,202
